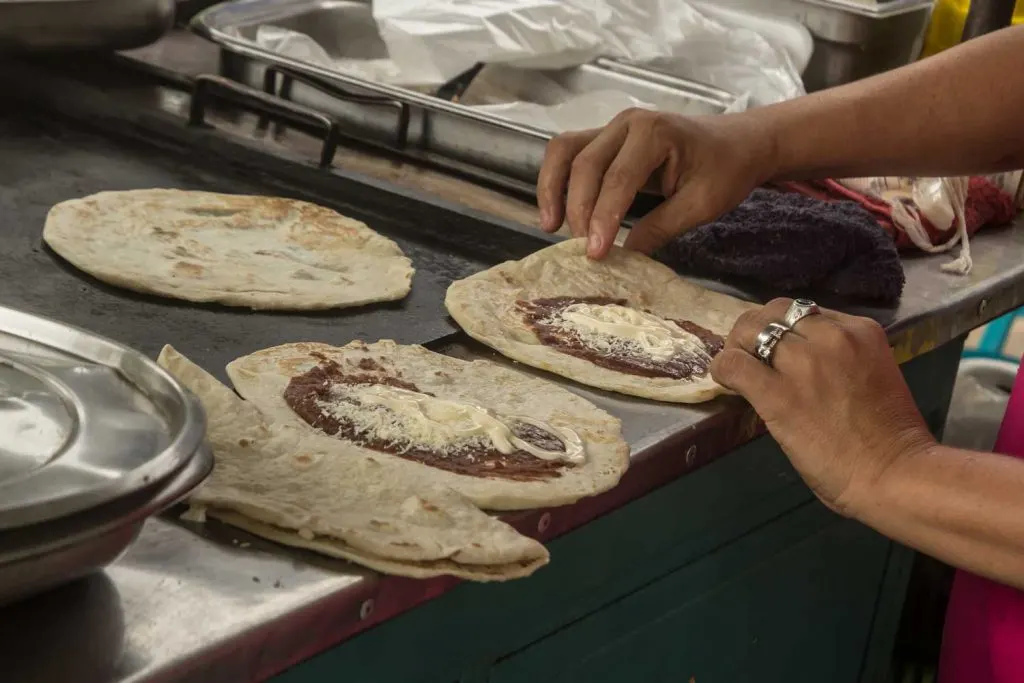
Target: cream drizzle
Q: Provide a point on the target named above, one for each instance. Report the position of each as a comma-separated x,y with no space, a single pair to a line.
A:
657,337
440,422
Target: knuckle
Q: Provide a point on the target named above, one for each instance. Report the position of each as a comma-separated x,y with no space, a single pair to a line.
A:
558,146
634,114
579,213
663,127
746,320
583,163
869,329
840,341
624,116
778,306
617,175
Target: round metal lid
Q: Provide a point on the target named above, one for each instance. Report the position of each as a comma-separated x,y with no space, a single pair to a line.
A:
83,420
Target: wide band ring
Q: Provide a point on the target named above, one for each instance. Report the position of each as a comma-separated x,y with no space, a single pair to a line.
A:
767,340
800,309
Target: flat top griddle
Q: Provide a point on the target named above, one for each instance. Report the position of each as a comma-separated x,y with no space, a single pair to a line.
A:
211,603
44,162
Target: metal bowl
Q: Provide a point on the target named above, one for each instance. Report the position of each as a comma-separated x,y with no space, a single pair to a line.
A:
37,558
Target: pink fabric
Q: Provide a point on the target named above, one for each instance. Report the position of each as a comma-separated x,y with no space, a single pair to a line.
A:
983,641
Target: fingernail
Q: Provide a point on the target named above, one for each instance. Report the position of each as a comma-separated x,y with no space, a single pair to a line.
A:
545,218
594,244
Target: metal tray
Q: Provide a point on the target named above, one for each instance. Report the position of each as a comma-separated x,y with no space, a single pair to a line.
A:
83,420
44,556
49,25
852,38
405,117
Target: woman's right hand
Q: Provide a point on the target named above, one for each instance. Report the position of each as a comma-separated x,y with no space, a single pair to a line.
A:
704,166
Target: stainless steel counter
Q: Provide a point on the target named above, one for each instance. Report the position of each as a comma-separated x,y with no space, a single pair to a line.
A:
214,604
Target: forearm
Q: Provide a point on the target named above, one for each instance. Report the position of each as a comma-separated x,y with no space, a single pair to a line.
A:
957,113
962,507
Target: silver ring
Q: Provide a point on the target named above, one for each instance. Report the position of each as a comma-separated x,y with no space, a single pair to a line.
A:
767,340
800,309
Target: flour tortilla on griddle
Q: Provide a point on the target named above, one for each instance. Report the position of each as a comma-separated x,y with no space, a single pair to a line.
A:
310,491
262,377
258,252
484,305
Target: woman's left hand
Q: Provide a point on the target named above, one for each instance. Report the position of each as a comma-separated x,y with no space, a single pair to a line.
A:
833,398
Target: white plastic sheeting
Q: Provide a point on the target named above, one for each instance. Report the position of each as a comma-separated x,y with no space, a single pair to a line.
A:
432,41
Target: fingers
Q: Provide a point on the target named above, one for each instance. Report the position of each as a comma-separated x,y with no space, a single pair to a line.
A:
637,160
554,176
587,174
737,370
684,210
789,350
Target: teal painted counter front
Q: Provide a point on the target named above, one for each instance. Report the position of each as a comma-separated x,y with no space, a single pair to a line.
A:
732,573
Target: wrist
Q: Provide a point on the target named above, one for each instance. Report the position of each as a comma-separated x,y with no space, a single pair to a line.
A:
872,486
762,140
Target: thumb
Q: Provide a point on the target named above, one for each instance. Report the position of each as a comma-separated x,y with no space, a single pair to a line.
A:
684,210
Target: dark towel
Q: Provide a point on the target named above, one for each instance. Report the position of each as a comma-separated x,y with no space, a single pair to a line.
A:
795,244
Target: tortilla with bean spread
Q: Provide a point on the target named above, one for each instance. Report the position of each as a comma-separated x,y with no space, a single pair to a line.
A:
311,491
626,323
503,439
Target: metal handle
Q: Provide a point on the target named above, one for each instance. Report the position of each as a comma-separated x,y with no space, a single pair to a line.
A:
289,76
985,16
268,107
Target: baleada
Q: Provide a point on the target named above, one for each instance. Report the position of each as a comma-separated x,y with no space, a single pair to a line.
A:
311,491
501,438
626,323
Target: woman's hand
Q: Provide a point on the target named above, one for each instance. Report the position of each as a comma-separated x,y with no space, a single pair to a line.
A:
833,398
704,166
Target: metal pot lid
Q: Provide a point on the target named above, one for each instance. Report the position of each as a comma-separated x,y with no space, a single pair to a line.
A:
83,420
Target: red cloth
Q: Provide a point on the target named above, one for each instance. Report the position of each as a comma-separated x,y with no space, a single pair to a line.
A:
986,205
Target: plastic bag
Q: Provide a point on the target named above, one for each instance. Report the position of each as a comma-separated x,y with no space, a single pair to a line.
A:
432,41
590,110
436,40
718,49
304,48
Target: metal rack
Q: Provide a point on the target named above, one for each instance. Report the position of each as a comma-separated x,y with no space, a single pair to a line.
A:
417,124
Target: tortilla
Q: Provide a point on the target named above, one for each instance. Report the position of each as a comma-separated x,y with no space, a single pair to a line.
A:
264,377
310,491
258,252
489,306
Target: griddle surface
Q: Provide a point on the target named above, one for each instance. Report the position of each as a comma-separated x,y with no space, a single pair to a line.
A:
43,162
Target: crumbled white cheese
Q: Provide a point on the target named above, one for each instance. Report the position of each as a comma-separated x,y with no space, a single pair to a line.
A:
611,329
411,418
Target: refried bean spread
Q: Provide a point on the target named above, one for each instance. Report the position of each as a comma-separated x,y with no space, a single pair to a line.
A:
311,394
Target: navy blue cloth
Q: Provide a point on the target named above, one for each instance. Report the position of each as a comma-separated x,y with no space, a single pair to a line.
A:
794,244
